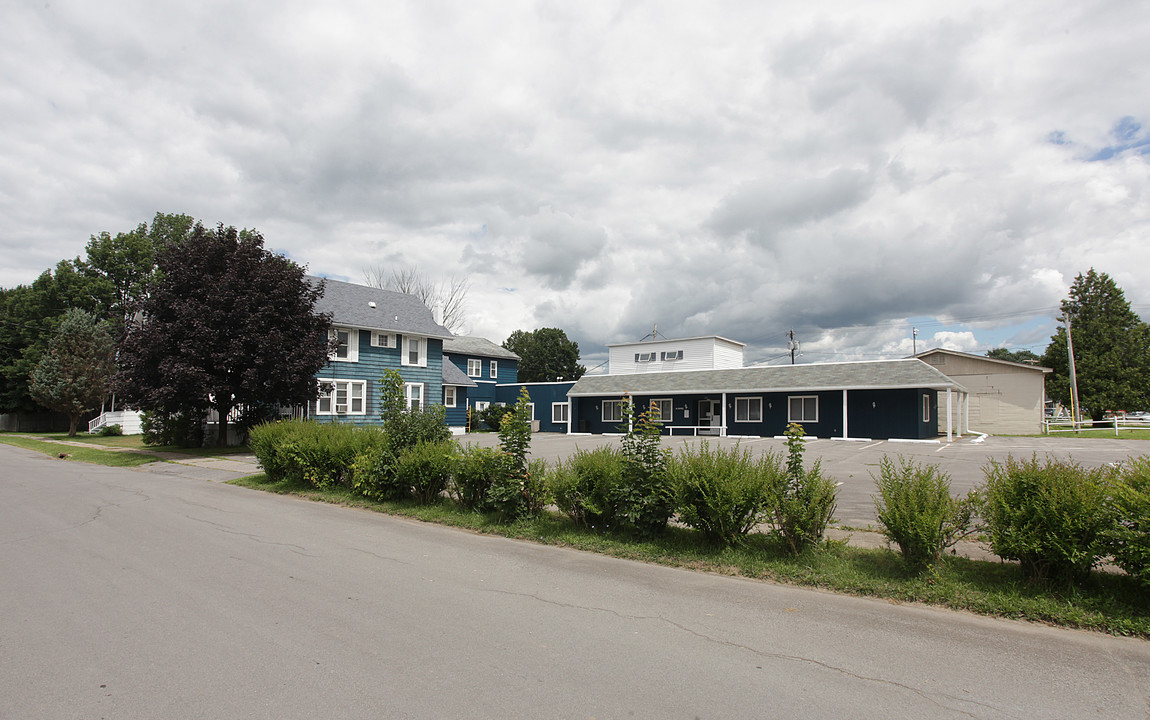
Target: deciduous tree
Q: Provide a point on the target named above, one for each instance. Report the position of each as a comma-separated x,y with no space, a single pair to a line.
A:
1111,349
226,325
545,355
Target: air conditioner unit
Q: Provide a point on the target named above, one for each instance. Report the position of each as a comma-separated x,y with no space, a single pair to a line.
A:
341,409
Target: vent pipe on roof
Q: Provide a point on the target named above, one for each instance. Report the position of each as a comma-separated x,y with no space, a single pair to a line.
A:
371,304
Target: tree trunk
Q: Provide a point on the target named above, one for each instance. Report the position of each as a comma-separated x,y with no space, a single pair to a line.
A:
73,421
222,425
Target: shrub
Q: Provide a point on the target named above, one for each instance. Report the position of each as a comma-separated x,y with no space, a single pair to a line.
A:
407,428
804,500
1050,517
477,470
111,431
427,468
320,454
643,499
374,473
584,487
265,442
493,416
520,490
916,511
1128,539
178,429
723,494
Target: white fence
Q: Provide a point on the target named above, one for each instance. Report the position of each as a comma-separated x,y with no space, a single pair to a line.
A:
1115,423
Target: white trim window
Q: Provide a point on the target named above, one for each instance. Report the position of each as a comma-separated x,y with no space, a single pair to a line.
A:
613,411
926,408
413,394
341,397
481,405
449,396
671,355
560,412
748,409
414,351
803,408
474,367
661,410
383,340
348,348
645,357
494,368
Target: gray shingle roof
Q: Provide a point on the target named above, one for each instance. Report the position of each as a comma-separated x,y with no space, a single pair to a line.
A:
350,304
870,375
477,347
454,376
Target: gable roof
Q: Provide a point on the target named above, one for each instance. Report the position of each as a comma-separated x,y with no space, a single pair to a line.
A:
956,353
454,376
910,373
350,304
476,347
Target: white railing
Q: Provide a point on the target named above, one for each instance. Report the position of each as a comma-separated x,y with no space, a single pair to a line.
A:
696,429
1067,426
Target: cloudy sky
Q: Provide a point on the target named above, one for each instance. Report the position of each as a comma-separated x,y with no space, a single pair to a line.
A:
847,170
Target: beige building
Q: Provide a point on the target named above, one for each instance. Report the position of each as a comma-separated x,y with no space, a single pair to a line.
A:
1006,398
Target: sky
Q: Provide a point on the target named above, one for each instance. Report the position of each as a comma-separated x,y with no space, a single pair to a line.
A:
847,171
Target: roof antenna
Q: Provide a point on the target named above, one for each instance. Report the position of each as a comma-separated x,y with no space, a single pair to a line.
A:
654,334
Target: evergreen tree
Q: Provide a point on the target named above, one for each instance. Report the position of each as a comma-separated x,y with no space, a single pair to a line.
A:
74,375
1111,349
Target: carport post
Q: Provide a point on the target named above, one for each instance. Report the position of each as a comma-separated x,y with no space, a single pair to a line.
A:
949,418
845,436
723,415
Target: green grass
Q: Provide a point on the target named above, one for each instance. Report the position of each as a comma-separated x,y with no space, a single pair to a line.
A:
1107,602
1123,434
79,454
134,442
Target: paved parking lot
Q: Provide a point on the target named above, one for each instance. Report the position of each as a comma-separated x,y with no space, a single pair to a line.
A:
852,462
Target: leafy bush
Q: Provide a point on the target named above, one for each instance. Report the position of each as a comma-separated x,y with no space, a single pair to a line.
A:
493,416
644,499
178,429
584,487
477,470
374,473
1051,517
917,513
427,468
723,493
803,500
111,431
320,454
407,428
520,490
1128,539
265,442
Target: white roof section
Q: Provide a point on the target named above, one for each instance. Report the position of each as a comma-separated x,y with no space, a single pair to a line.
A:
674,340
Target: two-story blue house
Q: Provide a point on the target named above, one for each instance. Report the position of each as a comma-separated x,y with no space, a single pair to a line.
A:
484,366
378,330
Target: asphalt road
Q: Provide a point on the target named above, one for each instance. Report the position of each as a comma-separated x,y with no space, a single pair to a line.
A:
157,592
852,463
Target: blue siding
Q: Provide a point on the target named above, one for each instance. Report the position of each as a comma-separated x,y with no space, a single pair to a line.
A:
543,395
871,413
370,366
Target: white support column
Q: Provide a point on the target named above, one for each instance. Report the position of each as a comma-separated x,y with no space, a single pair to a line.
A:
845,435
966,415
723,416
949,416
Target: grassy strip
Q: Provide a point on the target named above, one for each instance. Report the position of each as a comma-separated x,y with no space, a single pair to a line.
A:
1108,603
80,454
135,442
1103,433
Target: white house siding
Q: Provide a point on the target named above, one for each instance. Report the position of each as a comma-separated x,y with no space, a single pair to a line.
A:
702,353
1005,398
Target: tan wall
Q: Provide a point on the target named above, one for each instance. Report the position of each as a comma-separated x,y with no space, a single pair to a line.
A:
1001,403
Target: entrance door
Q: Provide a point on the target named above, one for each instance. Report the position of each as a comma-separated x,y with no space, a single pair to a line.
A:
710,414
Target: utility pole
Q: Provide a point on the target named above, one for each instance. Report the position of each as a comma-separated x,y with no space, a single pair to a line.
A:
914,339
1073,376
792,344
